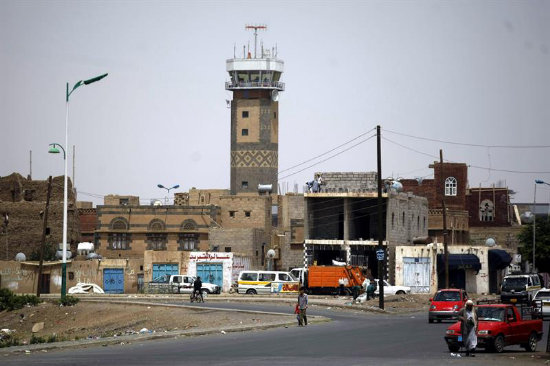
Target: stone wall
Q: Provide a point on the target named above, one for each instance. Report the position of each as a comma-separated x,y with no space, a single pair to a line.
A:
23,200
243,211
245,242
21,277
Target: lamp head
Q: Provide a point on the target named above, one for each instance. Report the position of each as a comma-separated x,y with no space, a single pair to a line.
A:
93,80
53,149
176,186
160,186
538,181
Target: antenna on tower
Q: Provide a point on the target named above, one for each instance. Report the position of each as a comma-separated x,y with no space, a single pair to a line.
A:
234,49
255,27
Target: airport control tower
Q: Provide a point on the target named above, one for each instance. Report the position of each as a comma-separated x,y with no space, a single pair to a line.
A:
254,81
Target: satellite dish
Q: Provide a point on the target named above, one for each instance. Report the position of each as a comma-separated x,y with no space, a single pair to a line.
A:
490,242
20,257
527,217
419,180
157,203
397,186
270,254
274,95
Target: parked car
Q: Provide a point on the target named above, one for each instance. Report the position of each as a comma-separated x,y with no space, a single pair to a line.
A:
392,290
184,285
541,303
499,325
519,288
446,303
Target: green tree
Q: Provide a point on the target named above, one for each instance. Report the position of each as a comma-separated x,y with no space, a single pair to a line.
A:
542,245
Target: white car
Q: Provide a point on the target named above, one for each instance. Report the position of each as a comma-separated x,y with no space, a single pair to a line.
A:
392,290
388,290
542,302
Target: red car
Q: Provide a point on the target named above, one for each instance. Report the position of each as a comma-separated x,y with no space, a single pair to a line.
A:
446,303
499,325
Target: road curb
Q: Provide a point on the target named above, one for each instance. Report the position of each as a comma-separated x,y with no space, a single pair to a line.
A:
127,339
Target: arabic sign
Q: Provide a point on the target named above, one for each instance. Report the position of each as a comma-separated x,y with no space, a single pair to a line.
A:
209,256
285,287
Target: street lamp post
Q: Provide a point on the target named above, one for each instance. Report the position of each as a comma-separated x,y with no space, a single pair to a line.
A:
537,181
168,190
65,203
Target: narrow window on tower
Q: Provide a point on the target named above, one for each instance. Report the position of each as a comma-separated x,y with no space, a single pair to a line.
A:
245,114
274,114
247,213
244,184
244,132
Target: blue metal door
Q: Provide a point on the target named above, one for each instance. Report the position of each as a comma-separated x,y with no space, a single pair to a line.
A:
211,273
113,280
162,269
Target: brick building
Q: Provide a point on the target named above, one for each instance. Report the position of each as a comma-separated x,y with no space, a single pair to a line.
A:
23,201
87,219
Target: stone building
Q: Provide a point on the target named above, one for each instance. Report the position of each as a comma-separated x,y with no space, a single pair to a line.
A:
23,201
127,229
87,219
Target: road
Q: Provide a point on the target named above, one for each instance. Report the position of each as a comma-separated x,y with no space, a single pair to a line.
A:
351,338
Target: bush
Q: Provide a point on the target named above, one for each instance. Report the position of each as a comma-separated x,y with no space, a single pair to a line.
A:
10,301
36,339
68,300
8,340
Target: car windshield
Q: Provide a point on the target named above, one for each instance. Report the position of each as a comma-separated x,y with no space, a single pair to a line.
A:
447,296
161,279
293,277
543,295
514,283
490,314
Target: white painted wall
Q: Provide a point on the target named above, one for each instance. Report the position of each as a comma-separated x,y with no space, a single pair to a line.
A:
226,259
475,283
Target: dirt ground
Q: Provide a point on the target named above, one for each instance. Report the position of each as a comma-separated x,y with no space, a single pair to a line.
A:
95,319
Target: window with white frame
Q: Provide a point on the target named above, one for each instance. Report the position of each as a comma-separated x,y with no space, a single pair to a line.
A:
450,186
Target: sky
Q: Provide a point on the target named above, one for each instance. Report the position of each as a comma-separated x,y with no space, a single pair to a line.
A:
472,72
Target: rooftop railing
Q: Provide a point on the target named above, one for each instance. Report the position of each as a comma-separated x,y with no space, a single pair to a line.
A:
230,85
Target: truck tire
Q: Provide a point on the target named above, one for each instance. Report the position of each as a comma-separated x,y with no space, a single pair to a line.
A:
531,345
251,292
400,292
498,344
453,347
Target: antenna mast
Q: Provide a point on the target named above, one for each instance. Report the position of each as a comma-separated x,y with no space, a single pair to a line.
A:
255,27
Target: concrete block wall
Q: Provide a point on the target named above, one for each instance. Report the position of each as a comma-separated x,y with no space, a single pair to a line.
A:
335,182
407,218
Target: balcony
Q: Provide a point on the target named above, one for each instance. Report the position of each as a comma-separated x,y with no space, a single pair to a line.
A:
276,85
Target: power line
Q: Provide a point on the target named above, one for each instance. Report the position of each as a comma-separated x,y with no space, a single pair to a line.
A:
469,165
330,157
471,145
327,152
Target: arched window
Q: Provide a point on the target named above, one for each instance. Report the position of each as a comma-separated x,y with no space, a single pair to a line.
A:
450,186
119,223
486,209
156,225
189,224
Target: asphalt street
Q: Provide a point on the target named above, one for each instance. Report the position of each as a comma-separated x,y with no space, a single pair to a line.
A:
351,338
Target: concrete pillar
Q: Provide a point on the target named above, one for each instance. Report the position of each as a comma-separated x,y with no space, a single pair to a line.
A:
306,218
347,223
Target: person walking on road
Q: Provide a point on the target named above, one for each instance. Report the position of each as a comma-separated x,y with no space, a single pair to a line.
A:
302,306
468,327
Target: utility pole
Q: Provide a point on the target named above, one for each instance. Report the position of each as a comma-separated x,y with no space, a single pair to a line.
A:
43,241
381,263
445,246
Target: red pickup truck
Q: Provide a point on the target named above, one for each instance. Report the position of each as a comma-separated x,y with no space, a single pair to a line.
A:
499,325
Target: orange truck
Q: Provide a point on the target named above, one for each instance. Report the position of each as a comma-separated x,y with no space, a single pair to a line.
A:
328,279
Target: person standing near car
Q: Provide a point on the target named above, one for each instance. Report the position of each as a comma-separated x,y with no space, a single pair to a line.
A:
468,327
197,286
302,306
